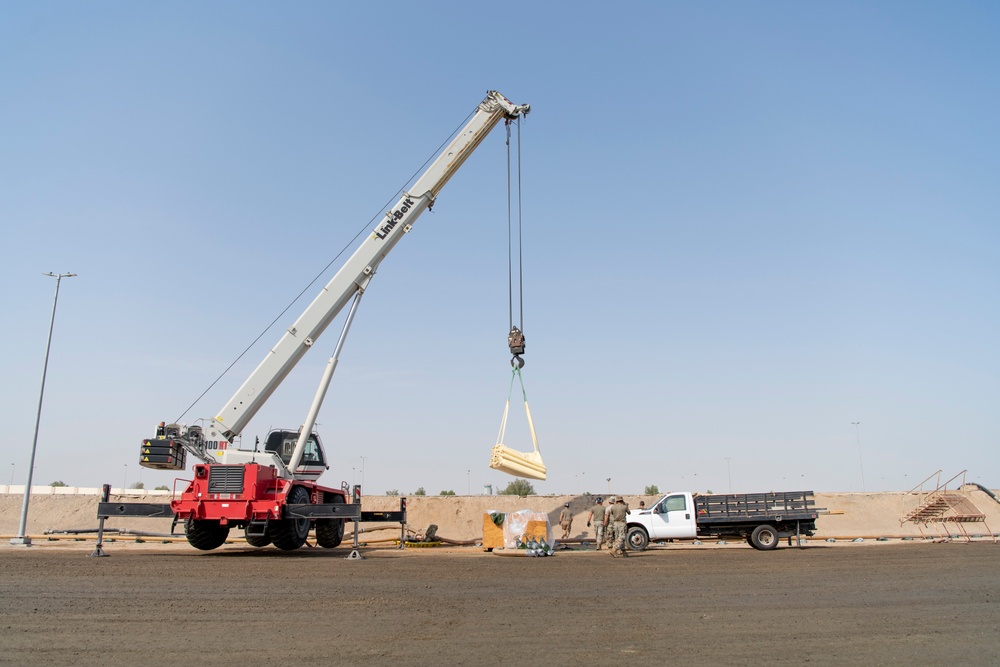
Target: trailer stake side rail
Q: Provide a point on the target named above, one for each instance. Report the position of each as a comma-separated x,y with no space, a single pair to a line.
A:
777,506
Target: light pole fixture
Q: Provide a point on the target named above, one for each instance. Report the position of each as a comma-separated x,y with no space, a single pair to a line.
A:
21,538
857,432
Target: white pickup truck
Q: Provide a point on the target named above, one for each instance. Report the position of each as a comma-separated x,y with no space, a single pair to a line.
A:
760,518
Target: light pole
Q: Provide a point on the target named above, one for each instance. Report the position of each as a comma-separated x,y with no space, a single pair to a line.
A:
362,474
730,472
468,475
125,478
857,432
609,485
11,477
21,538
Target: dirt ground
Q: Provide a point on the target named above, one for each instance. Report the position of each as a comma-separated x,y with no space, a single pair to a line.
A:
872,603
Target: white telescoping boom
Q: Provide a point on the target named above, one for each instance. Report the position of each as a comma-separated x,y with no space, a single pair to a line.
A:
350,281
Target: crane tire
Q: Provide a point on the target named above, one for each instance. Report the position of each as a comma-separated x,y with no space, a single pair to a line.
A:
205,534
291,533
258,540
330,532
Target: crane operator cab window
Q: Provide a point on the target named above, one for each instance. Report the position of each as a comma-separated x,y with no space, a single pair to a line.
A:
283,444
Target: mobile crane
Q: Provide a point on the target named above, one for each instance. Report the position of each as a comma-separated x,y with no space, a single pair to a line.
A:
273,494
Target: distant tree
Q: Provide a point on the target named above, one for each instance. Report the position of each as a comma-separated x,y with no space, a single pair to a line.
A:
519,487
708,491
58,484
138,485
652,490
393,492
164,487
420,492
447,493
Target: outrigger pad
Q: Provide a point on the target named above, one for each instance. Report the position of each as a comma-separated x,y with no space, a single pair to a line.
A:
516,463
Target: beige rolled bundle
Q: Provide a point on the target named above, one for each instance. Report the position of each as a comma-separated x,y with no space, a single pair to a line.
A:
516,463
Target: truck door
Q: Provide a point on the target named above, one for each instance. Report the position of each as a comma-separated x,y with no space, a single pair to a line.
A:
673,517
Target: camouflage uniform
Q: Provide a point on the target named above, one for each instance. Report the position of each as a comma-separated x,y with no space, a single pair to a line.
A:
609,528
617,514
597,519
566,521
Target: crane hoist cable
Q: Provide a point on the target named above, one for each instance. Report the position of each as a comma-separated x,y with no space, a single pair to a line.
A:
515,339
502,457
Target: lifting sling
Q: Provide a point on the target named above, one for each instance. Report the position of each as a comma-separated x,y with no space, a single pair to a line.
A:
511,461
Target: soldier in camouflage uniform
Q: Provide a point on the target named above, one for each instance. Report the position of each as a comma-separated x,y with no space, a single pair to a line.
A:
609,529
596,517
617,514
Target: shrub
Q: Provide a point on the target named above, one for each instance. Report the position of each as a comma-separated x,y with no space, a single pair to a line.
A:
420,492
519,487
652,490
447,493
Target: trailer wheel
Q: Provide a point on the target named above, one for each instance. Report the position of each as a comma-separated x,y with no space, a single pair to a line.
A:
257,540
330,532
764,537
205,534
637,538
290,534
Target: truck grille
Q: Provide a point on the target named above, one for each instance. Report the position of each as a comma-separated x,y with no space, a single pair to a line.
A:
225,479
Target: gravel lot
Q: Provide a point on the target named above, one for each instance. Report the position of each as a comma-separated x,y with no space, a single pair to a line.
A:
872,603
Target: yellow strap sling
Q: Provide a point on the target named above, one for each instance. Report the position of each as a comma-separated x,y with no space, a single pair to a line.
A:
511,461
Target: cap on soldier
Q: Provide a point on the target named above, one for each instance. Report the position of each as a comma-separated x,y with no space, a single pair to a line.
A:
599,501
565,504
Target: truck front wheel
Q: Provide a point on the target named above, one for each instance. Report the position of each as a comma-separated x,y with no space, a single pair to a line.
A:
637,538
764,537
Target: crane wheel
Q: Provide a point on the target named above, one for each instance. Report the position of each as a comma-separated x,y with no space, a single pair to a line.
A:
330,532
290,534
257,540
205,534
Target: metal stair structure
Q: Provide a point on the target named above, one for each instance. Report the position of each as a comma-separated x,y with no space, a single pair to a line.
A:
939,506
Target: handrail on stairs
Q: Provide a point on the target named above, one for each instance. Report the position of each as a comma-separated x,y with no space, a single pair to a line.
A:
920,486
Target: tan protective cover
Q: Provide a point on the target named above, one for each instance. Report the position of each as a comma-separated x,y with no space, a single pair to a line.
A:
516,463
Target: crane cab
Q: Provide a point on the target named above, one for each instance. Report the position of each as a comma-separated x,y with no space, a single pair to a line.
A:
282,444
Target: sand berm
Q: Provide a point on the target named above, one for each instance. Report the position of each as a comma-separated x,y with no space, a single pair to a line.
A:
460,518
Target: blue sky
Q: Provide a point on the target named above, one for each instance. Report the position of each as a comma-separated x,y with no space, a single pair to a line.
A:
746,226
